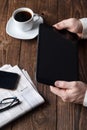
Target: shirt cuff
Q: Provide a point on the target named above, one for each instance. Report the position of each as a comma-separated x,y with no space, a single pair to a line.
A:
85,99
84,24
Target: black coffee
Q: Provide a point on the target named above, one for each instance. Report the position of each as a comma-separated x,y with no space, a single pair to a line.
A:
22,16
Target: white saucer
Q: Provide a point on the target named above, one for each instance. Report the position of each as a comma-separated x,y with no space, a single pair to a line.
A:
14,32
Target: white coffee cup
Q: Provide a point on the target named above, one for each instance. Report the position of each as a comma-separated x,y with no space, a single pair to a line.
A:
24,18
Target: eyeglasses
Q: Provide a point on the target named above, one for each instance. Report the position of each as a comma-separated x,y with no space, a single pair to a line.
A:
8,103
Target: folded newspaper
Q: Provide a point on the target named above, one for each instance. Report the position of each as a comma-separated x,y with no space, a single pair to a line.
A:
26,92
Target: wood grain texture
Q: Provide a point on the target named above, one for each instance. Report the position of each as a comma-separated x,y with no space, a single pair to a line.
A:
54,114
69,115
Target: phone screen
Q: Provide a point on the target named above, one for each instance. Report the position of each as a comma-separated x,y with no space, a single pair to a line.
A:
8,80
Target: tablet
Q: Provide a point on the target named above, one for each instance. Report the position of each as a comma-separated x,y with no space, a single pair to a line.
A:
57,55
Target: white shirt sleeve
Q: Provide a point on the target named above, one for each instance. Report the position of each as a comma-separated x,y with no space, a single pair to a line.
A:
84,33
84,24
85,100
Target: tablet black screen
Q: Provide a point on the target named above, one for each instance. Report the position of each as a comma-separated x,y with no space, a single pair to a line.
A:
57,57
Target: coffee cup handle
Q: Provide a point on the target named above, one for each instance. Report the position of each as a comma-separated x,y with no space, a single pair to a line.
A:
36,17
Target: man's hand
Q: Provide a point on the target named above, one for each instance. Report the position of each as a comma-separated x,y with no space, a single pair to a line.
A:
72,24
70,91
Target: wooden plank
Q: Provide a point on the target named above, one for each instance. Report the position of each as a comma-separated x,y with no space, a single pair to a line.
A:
69,115
9,47
45,116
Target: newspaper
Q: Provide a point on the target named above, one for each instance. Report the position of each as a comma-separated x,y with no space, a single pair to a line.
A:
26,92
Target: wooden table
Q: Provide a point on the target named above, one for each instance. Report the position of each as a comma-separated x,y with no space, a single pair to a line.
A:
54,114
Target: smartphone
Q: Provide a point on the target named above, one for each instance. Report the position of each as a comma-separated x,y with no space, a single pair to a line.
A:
57,55
8,80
